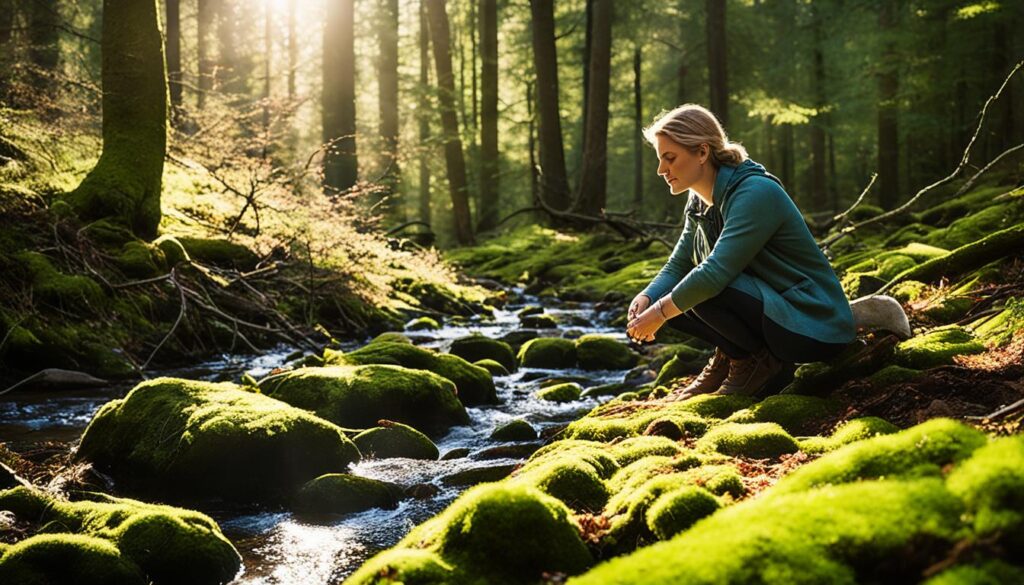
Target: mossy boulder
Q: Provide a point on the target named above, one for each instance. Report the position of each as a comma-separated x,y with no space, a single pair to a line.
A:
141,260
548,353
113,540
893,374
473,383
514,430
473,348
678,510
755,440
847,432
219,252
191,438
601,352
342,493
797,414
492,366
359,396
393,336
991,484
70,292
565,392
393,439
538,321
423,324
494,533
937,347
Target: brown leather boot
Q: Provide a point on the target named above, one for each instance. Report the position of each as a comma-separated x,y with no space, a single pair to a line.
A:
708,380
748,377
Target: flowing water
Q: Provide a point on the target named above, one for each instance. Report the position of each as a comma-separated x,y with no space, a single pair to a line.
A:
280,548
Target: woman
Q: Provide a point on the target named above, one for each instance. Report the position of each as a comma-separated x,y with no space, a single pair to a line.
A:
746,274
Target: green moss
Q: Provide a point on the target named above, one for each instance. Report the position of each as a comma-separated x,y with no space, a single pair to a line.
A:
359,396
190,438
492,366
166,544
514,430
937,347
548,352
423,324
636,448
493,533
991,483
74,293
174,252
798,415
565,392
1000,328
948,308
690,415
474,348
538,321
341,493
975,226
678,510
907,291
67,558
576,482
141,260
474,384
893,374
393,439
849,432
219,252
755,440
601,352
992,572
392,336
675,368
918,451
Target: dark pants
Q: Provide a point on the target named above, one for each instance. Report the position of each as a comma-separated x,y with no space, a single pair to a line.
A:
735,322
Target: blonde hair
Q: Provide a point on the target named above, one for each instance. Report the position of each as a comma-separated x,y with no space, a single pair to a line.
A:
691,125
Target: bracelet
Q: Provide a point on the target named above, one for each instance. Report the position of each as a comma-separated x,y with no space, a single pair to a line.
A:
660,310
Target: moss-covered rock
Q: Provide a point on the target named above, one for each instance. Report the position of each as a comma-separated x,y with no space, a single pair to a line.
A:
755,440
342,493
538,321
601,352
893,374
423,324
798,415
690,415
114,538
392,336
678,510
1001,327
141,260
219,252
493,533
393,439
548,352
908,291
514,430
359,396
492,366
991,484
203,439
848,432
71,292
474,384
565,392
937,347
477,347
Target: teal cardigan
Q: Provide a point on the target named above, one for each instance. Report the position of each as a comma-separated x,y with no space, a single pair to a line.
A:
764,249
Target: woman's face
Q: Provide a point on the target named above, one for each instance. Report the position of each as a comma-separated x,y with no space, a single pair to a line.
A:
680,167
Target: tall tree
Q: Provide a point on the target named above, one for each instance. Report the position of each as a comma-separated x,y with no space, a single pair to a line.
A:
8,14
489,193
293,48
174,54
421,113
388,99
44,46
888,121
554,185
341,165
268,59
229,72
206,10
638,124
125,183
594,173
454,158
819,189
718,76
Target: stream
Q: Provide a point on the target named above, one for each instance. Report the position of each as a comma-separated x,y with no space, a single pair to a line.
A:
279,548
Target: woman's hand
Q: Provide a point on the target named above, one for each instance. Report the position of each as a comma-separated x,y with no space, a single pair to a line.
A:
643,326
640,302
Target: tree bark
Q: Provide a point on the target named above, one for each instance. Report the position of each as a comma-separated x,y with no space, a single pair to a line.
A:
888,121
174,54
341,165
638,126
44,45
554,186
819,188
125,183
594,173
489,192
424,123
205,19
718,77
388,100
454,158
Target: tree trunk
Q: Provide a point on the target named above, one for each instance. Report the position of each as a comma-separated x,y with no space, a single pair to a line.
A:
388,99
125,183
174,55
341,165
228,71
531,88
424,105
268,52
293,49
206,11
554,185
888,128
638,125
819,189
594,174
489,192
454,158
7,17
718,77
44,43
588,43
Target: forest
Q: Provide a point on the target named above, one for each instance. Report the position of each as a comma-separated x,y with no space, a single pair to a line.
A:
511,292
